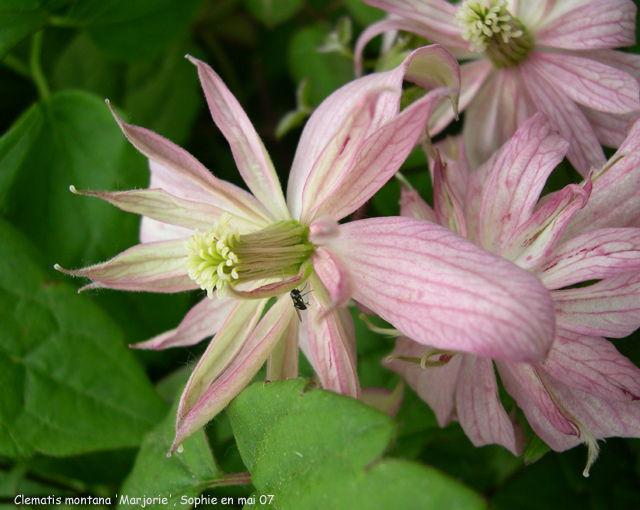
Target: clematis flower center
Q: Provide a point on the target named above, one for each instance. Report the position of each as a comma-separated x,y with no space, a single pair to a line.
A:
491,29
222,258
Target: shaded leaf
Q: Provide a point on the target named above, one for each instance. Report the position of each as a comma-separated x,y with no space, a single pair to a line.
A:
68,385
273,12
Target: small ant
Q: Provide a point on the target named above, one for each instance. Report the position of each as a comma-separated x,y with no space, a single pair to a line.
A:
298,302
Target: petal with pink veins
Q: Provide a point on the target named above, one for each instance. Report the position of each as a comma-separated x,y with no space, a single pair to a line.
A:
608,308
584,152
533,242
200,402
588,82
594,366
332,343
595,255
516,181
435,385
334,275
152,231
441,290
186,167
579,25
480,411
610,129
153,267
447,208
202,321
252,159
413,206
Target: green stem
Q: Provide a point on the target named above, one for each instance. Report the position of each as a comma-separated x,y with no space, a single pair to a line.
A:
36,69
16,65
232,479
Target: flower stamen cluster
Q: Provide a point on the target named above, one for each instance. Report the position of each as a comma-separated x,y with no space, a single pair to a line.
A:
222,258
492,30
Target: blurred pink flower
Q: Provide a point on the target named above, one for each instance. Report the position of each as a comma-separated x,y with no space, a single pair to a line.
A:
199,231
585,390
523,56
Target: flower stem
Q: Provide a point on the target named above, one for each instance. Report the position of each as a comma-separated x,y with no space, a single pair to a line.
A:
36,69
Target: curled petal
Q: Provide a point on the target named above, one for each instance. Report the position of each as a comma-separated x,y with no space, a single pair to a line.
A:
252,159
200,402
480,411
332,343
334,275
608,308
276,288
441,290
154,267
283,362
202,321
447,208
594,366
592,256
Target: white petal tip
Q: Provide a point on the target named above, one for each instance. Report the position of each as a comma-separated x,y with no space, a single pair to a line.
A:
108,103
73,189
57,267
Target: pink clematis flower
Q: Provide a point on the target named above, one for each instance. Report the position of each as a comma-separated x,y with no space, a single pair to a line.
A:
585,390
523,56
201,232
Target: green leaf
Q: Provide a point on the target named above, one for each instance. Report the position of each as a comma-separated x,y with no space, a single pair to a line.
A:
326,72
318,449
273,12
364,14
14,147
535,450
69,385
183,475
145,36
16,26
77,142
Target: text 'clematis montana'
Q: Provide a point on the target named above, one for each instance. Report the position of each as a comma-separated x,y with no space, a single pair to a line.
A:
201,232
553,56
585,390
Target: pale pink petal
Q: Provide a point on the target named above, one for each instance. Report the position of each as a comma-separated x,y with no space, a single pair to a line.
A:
165,208
436,15
627,62
283,362
447,208
592,256
610,129
525,383
615,199
334,275
180,185
339,155
473,75
152,231
517,178
531,12
588,82
381,156
212,399
409,25
179,161
332,343
581,25
480,411
153,267
429,67
202,321
608,308
584,152
434,385
452,151
441,290
386,401
599,416
522,382
532,243
412,205
252,159
594,366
